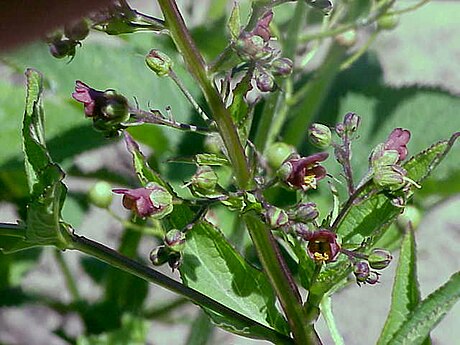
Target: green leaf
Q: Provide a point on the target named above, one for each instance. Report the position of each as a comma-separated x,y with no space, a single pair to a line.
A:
375,214
406,294
212,266
418,324
234,22
44,177
210,159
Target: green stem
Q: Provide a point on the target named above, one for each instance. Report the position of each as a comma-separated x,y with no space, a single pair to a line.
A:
12,230
126,264
360,51
410,8
197,67
281,280
68,277
276,108
164,309
326,312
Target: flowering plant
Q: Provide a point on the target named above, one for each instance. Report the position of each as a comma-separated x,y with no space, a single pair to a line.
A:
278,199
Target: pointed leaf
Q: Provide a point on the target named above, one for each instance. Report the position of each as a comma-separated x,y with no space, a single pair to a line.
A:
234,22
417,326
406,294
212,266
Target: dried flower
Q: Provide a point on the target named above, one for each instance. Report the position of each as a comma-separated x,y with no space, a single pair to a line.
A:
323,246
150,201
305,172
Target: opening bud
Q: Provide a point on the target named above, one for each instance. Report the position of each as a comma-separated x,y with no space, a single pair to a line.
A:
175,240
305,212
361,271
158,62
264,80
281,67
319,135
276,217
115,108
379,259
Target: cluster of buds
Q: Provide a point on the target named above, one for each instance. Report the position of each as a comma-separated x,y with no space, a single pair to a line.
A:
171,251
385,161
254,47
108,109
377,260
63,43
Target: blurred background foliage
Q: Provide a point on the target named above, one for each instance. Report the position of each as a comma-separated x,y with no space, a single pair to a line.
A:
408,78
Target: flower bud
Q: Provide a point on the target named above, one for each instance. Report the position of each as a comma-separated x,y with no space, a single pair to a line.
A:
305,212
379,259
351,122
115,108
281,67
361,271
158,62
373,278
101,194
264,80
62,48
302,230
325,6
319,135
383,157
77,31
387,22
347,39
175,240
277,153
159,255
411,214
389,176
174,260
205,179
276,217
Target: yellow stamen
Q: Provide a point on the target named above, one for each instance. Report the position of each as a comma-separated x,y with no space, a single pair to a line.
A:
310,181
321,257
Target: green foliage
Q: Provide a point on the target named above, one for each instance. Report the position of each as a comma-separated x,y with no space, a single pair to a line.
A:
213,267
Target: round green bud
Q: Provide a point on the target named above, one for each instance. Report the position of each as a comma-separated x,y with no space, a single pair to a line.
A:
379,259
159,62
205,179
175,240
411,214
388,22
319,135
101,194
277,153
389,177
281,67
347,39
116,108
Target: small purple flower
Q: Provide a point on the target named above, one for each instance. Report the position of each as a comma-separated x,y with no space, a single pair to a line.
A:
397,140
304,172
323,246
152,200
91,98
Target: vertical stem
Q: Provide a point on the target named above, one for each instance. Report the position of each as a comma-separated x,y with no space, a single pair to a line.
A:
326,311
197,68
70,282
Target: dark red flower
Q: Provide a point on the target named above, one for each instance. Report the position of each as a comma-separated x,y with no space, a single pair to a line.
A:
323,246
152,200
397,140
92,99
304,172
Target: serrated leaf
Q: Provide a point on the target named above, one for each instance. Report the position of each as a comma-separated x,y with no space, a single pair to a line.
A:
417,326
239,108
234,22
406,294
212,266
44,177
